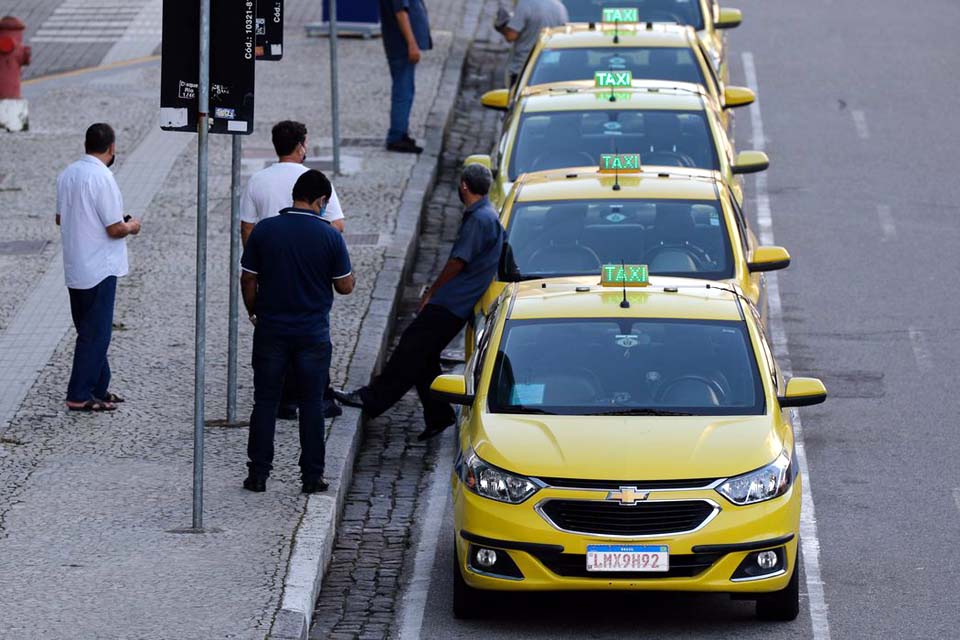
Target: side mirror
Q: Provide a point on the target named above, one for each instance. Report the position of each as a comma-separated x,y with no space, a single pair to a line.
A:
750,162
478,158
803,392
728,19
734,97
769,259
452,389
498,99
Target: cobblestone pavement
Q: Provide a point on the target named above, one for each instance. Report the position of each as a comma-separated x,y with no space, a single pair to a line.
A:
87,500
362,590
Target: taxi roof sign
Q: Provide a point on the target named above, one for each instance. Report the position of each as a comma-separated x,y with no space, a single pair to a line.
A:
613,79
621,14
620,163
625,275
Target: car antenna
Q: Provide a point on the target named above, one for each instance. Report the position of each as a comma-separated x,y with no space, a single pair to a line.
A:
624,304
616,170
616,31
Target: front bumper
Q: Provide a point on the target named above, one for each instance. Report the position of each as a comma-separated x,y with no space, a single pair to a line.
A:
550,559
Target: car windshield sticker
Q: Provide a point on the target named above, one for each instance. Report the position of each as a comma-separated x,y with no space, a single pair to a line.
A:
617,63
616,217
550,57
628,340
527,394
714,219
612,129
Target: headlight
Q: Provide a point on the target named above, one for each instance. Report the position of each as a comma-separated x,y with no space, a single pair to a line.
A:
490,482
767,483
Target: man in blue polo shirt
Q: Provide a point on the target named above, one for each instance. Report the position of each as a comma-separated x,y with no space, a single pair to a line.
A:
444,310
291,265
406,32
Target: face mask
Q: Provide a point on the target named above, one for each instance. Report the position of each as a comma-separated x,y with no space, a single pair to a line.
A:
113,159
460,195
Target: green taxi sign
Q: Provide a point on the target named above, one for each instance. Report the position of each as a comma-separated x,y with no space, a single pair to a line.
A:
624,14
619,162
625,275
613,79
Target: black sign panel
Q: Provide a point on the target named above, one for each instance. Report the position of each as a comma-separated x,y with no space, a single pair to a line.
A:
269,29
232,59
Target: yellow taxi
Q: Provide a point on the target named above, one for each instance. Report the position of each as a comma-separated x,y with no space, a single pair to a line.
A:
649,51
706,16
630,434
668,123
678,221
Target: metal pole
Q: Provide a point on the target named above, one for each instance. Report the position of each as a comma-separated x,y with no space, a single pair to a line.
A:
203,108
334,89
234,281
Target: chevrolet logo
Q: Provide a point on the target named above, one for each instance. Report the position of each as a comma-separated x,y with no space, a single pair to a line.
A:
628,495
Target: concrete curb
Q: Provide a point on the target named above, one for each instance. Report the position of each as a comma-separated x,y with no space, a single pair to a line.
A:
314,537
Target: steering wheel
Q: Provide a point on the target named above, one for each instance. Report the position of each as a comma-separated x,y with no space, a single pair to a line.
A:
562,159
697,254
667,159
713,385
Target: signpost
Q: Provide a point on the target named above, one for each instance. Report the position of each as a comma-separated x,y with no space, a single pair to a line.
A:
269,29
214,70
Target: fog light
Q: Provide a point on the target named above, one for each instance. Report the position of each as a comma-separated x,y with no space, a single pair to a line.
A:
486,557
767,559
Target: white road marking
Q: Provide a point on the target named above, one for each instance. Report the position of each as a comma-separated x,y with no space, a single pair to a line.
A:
921,351
809,539
83,21
885,214
415,597
860,122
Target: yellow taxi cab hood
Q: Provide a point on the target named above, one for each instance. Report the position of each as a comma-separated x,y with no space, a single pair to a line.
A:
628,447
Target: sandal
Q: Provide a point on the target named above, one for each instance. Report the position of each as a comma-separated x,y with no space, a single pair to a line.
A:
91,405
111,398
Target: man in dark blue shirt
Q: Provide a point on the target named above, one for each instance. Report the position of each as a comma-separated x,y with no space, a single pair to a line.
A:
291,265
444,310
406,32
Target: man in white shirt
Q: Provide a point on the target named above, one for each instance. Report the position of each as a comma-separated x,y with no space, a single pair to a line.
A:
93,228
269,191
523,27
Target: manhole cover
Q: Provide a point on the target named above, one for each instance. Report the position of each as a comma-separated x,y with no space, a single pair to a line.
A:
21,247
364,239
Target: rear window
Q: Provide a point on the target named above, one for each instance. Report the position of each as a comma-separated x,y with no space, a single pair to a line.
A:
679,11
561,139
650,63
672,237
626,367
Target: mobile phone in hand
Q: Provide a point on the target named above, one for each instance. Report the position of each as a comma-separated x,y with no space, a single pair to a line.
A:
127,217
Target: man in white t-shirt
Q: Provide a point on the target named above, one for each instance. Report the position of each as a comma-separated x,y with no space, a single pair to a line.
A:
93,228
270,190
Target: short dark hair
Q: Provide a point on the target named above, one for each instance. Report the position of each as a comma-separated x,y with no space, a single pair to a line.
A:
477,178
312,186
287,135
99,138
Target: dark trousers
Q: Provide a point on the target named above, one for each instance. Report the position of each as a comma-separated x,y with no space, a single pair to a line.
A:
92,311
306,360
290,400
416,362
402,89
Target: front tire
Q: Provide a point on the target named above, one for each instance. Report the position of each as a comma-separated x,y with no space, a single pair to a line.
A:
783,605
467,601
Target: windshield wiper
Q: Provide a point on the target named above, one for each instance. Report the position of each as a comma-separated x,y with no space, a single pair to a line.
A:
644,412
524,409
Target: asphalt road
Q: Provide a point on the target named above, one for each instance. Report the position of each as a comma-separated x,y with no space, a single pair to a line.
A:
856,104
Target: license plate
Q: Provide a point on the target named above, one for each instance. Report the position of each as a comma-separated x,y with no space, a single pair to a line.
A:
602,557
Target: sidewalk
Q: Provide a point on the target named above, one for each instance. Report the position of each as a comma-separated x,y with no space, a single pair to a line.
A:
88,501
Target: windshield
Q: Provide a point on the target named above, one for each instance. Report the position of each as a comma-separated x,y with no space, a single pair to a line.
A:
679,11
672,237
626,367
649,63
559,139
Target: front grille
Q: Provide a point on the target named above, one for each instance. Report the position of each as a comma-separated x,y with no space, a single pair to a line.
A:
615,519
642,485
572,565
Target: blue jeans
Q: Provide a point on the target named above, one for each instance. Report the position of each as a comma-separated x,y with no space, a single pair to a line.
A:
307,360
402,73
92,311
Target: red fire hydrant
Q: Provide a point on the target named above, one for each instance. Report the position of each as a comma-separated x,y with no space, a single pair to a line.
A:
14,55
